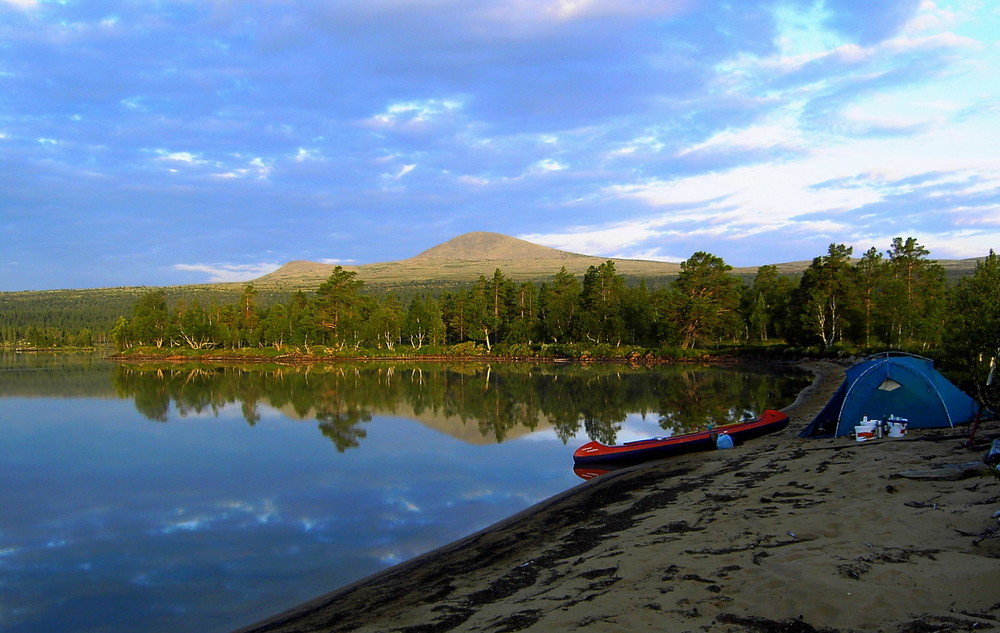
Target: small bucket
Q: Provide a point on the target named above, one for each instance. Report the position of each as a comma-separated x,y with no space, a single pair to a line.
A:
864,432
897,429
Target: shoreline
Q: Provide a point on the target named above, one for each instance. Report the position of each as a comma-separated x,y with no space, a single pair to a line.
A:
778,532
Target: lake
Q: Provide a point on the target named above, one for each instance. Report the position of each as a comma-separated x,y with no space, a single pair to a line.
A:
165,498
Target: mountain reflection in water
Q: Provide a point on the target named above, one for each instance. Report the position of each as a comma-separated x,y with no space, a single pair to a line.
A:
476,403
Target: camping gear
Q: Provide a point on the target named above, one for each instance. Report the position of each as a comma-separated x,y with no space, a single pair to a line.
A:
893,386
877,429
657,447
897,428
864,432
992,457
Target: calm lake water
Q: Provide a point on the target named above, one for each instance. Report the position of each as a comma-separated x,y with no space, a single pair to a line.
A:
163,498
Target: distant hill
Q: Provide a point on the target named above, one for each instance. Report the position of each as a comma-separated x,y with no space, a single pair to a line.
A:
484,246
447,266
463,259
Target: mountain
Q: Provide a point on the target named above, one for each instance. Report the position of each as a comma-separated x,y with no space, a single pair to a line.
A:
463,259
484,246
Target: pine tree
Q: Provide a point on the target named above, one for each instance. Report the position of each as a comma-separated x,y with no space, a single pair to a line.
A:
706,298
601,304
559,305
914,308
339,305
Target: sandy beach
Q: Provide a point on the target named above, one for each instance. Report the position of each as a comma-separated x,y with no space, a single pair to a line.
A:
779,534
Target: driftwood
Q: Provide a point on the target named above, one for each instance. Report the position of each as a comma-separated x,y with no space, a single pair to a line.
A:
949,472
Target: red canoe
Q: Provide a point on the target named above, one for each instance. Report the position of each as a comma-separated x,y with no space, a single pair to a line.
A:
657,447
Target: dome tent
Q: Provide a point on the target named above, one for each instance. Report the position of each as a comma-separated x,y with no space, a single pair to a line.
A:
893,384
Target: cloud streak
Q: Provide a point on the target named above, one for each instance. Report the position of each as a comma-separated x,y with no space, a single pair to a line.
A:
230,272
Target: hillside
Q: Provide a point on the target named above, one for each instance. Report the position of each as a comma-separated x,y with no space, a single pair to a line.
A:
483,246
446,266
463,259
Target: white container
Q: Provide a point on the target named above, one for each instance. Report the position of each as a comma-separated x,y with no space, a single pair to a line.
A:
897,429
865,431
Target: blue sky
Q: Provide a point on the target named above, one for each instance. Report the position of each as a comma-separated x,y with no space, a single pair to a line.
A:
175,142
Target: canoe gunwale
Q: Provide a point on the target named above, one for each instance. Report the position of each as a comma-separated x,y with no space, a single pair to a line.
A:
770,421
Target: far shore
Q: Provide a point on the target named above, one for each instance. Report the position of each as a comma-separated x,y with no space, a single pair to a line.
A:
629,356
781,534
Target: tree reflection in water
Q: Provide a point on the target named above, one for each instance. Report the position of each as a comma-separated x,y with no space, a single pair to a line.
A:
495,399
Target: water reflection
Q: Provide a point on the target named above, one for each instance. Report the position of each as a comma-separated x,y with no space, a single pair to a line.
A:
164,498
496,403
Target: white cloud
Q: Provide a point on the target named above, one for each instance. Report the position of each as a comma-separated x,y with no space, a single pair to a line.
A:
548,164
957,244
986,215
414,114
257,168
816,192
619,237
932,18
646,143
21,4
751,198
303,154
801,32
781,131
230,272
925,139
182,157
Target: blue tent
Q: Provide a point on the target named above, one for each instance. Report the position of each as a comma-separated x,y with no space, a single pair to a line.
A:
893,384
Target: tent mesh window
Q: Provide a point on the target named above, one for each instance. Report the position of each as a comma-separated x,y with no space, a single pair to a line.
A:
889,385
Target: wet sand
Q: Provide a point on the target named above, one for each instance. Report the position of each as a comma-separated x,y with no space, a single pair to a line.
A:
779,534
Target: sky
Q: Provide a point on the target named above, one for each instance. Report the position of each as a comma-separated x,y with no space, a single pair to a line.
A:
175,142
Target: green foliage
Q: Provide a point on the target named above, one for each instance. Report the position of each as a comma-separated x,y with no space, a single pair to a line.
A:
764,304
916,291
898,300
973,339
340,308
601,318
423,323
559,307
825,297
704,304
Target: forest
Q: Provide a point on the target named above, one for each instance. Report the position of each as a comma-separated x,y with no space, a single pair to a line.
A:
896,299
892,299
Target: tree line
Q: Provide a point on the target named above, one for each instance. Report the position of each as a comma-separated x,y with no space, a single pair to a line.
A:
83,318
896,298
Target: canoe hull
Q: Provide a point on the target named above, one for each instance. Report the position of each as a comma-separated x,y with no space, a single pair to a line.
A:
770,421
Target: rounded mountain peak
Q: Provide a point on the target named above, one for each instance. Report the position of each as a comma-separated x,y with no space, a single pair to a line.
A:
482,245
